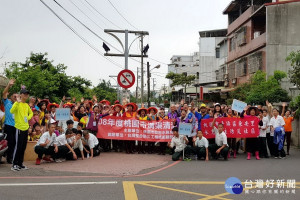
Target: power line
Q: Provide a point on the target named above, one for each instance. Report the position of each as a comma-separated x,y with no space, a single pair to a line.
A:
82,38
121,15
117,27
85,14
102,14
90,29
85,25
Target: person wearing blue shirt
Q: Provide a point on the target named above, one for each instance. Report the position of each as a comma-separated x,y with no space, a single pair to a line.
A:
202,115
9,122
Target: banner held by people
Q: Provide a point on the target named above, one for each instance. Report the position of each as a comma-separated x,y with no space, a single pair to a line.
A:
119,128
233,127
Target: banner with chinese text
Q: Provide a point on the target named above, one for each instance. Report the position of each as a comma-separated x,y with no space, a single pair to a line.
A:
119,128
233,127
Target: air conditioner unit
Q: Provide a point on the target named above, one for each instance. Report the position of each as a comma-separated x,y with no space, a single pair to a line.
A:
233,81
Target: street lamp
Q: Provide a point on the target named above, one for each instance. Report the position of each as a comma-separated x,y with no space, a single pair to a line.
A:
148,79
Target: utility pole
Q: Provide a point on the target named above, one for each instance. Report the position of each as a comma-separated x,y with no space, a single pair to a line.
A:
137,84
126,49
148,83
153,85
164,92
142,71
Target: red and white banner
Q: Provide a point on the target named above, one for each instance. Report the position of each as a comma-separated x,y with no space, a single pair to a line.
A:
234,127
119,128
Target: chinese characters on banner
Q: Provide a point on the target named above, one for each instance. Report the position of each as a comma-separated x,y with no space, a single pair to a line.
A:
119,128
234,127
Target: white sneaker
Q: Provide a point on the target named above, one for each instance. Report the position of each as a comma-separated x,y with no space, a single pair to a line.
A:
15,168
23,167
275,157
280,157
58,160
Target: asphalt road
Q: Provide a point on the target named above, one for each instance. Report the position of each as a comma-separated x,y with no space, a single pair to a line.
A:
176,180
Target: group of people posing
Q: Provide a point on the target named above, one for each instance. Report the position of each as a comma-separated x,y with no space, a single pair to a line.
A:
33,119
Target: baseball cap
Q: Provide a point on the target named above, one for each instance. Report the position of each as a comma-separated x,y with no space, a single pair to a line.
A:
24,91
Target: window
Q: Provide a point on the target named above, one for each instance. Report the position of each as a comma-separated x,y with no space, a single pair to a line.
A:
241,36
241,67
197,75
220,73
232,44
231,71
255,62
218,52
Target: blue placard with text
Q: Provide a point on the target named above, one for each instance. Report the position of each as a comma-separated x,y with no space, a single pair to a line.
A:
62,114
185,129
238,105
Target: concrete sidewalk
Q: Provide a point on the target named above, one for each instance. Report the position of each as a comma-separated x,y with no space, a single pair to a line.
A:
108,163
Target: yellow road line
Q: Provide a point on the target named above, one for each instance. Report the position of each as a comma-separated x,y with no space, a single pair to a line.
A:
131,194
181,191
129,191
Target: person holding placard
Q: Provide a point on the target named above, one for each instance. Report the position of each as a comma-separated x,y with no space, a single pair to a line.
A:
220,147
179,142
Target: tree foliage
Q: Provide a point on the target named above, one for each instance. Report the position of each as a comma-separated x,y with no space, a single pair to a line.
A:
260,89
104,90
180,79
294,73
41,77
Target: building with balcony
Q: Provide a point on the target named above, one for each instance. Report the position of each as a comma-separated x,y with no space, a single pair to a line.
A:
261,34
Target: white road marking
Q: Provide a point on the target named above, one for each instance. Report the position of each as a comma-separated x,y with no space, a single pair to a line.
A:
66,183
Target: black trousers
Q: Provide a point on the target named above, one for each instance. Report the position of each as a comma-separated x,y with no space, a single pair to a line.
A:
20,147
271,145
252,145
62,152
96,150
11,141
232,143
129,146
287,137
214,147
69,155
141,147
151,147
40,151
263,152
162,147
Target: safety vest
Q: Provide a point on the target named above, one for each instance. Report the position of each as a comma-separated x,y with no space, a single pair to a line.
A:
129,115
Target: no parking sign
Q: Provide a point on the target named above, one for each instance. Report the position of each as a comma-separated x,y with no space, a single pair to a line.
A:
126,78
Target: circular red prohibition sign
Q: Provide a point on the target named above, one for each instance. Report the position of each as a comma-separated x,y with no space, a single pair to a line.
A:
126,78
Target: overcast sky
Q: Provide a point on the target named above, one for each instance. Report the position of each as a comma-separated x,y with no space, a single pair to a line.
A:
173,26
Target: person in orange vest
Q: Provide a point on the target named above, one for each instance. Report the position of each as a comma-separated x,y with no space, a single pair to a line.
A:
152,111
162,145
130,113
117,111
142,115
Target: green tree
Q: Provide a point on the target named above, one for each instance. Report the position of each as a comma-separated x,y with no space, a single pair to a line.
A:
181,79
259,89
104,90
41,77
294,73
